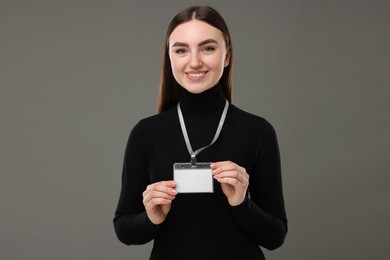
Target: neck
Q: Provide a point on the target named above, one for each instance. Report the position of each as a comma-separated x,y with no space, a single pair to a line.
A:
208,103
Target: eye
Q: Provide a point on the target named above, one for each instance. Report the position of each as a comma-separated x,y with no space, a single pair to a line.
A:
181,51
208,49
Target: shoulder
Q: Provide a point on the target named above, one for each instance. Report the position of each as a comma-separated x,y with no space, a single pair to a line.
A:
158,120
151,128
249,120
255,129
155,124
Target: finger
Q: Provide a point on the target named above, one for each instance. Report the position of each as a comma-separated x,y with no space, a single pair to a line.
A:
151,194
154,195
217,164
243,175
157,202
228,166
168,183
233,173
157,194
164,186
171,184
233,182
242,178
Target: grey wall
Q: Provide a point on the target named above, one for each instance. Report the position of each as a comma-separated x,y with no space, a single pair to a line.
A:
77,75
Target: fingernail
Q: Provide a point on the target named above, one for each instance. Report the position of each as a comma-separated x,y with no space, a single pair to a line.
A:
174,192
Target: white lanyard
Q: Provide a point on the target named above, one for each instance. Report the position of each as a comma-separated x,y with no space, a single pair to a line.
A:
187,139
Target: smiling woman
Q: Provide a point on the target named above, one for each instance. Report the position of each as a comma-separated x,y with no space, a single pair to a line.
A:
169,92
198,55
239,152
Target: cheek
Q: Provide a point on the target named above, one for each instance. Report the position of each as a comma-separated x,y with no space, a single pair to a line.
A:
177,63
215,62
216,67
177,67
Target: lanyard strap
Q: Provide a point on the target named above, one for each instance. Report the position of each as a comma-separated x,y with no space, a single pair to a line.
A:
187,139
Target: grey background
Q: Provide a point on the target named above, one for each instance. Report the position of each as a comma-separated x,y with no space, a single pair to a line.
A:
77,75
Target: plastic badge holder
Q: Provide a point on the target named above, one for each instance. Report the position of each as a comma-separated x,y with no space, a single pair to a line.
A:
193,178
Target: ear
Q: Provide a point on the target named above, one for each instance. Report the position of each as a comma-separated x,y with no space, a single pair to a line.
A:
227,59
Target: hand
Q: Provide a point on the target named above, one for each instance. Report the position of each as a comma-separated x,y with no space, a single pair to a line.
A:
157,199
234,181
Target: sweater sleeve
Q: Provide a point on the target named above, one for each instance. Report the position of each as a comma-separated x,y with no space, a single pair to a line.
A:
131,223
262,215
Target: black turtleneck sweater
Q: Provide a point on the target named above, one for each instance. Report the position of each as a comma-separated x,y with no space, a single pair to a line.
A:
203,225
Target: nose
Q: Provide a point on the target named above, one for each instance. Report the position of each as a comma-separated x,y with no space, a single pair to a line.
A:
196,61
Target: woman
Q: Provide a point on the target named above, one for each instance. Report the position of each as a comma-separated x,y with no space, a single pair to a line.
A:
246,209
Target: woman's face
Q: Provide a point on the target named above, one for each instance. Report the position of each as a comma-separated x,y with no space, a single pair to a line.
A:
198,55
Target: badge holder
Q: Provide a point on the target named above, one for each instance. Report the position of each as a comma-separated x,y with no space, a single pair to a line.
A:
195,177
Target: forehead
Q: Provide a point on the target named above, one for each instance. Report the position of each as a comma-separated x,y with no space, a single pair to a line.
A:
195,31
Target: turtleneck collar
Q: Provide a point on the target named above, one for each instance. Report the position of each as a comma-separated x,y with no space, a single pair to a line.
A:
206,104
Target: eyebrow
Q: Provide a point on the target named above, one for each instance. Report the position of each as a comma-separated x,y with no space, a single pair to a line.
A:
182,44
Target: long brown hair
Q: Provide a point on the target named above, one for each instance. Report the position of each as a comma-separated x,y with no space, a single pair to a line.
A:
169,92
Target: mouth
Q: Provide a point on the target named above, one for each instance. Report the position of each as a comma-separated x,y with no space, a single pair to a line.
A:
196,75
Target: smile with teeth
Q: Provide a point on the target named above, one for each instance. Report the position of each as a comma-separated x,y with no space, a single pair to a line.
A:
196,74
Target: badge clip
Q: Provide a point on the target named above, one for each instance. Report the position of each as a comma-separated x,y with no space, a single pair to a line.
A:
193,160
